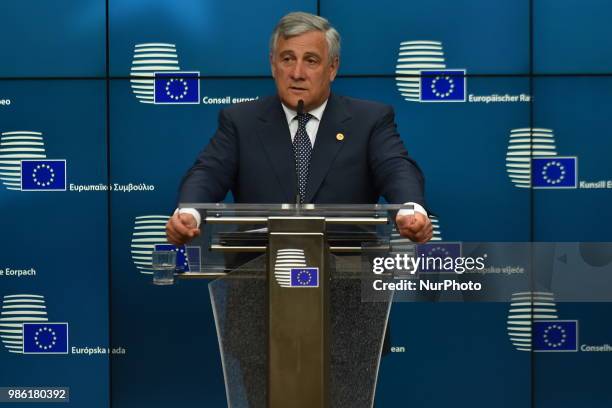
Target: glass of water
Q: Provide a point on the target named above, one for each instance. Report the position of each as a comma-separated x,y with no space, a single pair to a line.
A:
164,265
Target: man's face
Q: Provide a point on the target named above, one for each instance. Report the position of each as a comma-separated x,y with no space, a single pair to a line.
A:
302,70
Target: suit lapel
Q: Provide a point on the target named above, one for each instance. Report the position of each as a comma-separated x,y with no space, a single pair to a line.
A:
327,145
274,135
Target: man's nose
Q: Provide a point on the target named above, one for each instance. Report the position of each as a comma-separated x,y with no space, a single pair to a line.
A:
298,71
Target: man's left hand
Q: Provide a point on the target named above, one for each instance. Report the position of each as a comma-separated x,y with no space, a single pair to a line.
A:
416,228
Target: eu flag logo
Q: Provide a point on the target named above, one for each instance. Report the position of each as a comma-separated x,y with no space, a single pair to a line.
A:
554,172
555,335
194,259
43,175
182,265
177,87
45,338
446,85
434,254
305,277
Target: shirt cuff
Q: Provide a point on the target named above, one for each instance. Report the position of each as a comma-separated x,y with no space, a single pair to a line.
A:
192,211
416,208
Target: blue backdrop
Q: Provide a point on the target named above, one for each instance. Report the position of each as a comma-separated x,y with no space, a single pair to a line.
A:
74,86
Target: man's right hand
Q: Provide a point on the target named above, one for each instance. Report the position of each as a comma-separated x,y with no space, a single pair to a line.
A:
181,228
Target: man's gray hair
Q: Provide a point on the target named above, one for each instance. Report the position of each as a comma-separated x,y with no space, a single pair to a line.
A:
297,23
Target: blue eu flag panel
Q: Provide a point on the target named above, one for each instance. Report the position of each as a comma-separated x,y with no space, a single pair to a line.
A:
443,85
177,87
305,277
182,264
555,335
194,259
438,250
554,172
45,338
43,175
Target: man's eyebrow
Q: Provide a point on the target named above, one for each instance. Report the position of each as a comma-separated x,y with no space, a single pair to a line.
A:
312,54
286,52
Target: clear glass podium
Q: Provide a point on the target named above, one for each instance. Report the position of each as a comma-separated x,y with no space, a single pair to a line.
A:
293,330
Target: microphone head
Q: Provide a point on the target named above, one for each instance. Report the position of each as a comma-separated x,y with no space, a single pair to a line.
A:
300,107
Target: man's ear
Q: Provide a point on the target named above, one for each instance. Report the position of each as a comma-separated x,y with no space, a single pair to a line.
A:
334,68
272,66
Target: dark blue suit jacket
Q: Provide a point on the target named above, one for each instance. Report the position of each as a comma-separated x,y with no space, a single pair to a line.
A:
252,156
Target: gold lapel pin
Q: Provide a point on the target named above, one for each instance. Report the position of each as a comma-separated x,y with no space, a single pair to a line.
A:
340,137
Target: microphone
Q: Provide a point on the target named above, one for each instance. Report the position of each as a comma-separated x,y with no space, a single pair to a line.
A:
298,199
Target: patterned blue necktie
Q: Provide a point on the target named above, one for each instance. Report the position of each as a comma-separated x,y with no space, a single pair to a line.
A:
302,150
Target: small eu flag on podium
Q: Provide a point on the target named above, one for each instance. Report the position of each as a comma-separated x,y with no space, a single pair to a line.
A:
182,264
177,88
43,175
45,338
304,277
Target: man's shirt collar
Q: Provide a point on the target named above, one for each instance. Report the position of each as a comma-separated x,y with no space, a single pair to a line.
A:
316,112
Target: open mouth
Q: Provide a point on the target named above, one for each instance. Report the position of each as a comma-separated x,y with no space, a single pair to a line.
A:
297,89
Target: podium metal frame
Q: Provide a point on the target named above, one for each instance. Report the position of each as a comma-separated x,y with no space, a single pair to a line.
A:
298,326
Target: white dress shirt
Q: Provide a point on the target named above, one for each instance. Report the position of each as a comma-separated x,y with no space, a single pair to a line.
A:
312,127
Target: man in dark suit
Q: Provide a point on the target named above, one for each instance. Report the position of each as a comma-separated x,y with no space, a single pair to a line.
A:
343,150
